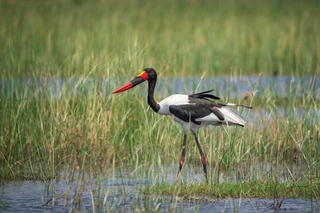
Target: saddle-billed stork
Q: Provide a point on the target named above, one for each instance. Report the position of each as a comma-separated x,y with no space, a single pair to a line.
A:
191,111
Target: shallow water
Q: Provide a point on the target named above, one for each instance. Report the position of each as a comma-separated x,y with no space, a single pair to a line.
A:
224,86
265,116
121,192
26,196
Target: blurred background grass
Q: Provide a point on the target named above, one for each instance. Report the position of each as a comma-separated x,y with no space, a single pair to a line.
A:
177,38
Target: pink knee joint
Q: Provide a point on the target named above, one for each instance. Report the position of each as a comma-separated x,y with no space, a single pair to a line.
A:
203,159
182,161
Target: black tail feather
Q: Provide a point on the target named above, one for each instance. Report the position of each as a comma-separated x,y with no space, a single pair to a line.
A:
240,105
203,95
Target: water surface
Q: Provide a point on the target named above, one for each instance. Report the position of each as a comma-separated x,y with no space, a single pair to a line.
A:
120,191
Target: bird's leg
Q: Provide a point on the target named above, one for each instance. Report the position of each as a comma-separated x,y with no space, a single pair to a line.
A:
183,154
203,158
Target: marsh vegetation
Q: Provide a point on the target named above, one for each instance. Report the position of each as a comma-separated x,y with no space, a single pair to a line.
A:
85,130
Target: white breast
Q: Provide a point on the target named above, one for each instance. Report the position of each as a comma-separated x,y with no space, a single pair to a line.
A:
177,99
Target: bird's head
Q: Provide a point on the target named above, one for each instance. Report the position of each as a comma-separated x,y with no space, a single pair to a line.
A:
147,74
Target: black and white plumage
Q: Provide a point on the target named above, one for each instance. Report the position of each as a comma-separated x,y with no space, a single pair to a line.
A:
196,111
191,111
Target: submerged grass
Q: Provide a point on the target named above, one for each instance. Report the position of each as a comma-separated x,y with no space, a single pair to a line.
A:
252,189
178,38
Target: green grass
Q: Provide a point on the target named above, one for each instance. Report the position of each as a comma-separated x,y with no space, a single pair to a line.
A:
92,133
40,134
177,38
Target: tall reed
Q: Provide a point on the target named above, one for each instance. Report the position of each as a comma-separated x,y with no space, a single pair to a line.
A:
40,133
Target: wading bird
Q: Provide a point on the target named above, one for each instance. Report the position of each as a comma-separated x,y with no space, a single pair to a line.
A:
191,111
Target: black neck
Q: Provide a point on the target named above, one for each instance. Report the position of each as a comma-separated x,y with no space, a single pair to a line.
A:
152,103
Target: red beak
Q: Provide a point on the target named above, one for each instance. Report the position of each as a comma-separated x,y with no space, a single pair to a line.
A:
138,80
124,87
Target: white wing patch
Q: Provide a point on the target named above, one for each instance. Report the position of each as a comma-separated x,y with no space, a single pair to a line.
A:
231,117
209,118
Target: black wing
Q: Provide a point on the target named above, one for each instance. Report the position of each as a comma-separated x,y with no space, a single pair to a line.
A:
198,108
